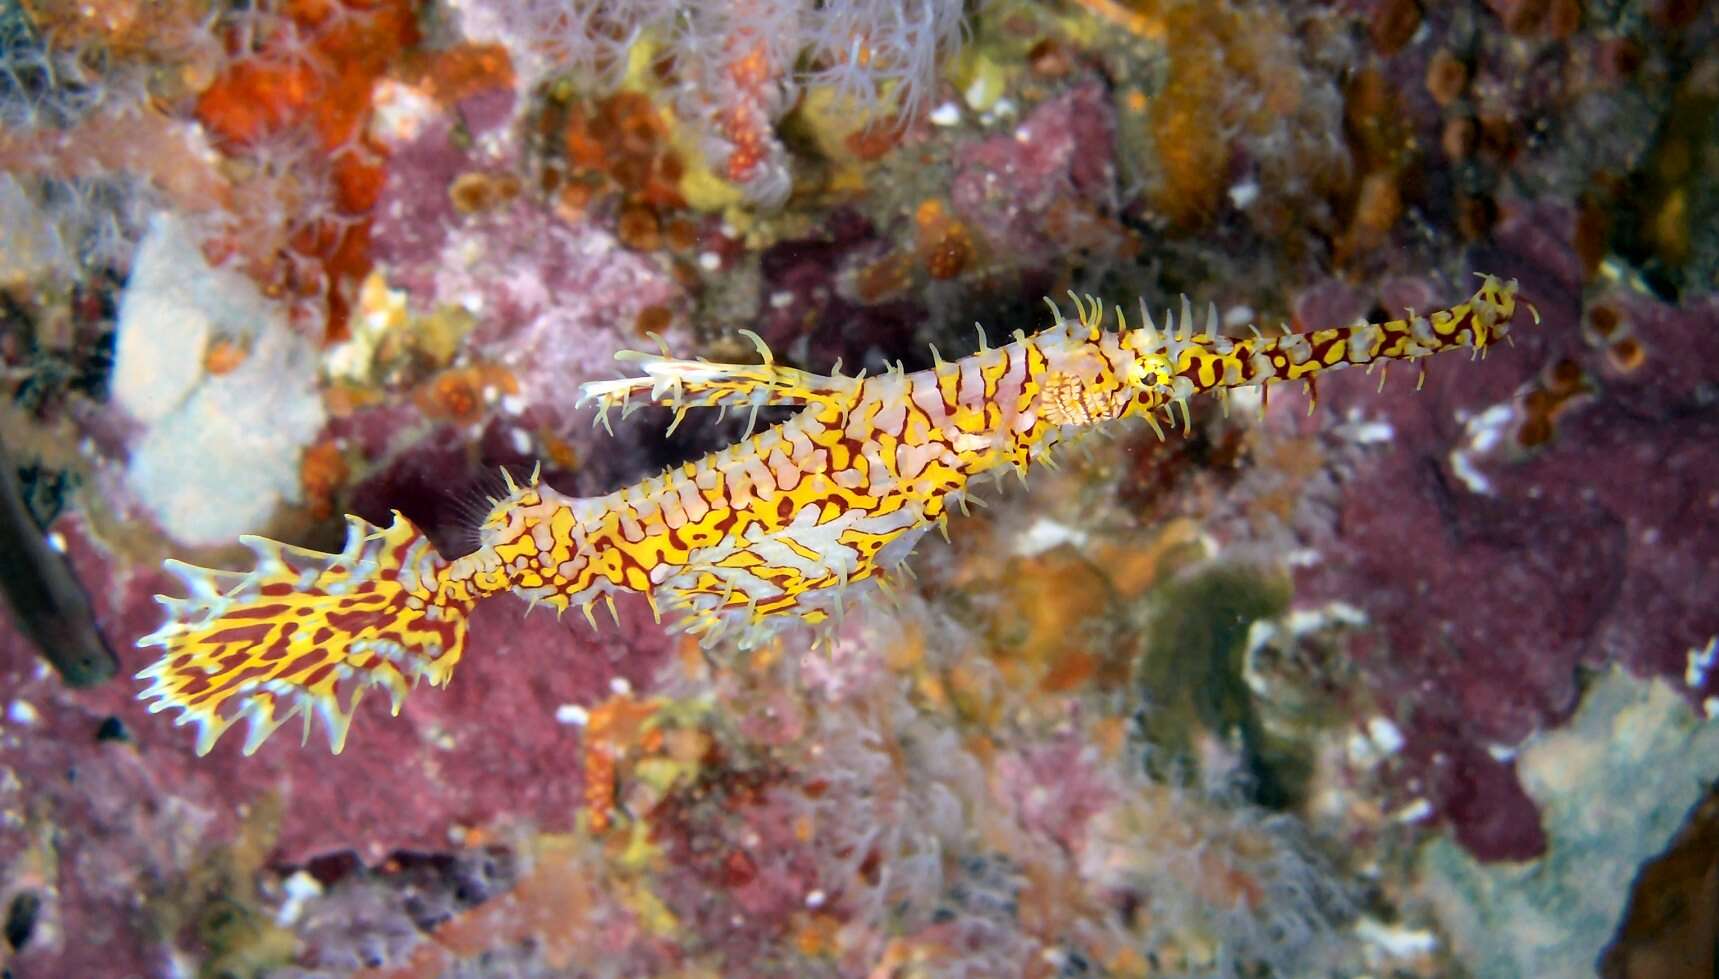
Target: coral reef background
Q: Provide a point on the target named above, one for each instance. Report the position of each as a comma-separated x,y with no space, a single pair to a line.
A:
1421,683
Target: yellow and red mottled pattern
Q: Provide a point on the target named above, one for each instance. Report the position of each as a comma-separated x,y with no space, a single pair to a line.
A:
770,531
307,633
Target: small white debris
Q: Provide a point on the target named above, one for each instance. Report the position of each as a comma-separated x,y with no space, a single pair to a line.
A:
1243,194
982,94
1362,753
572,715
1485,432
1700,664
1261,632
1397,941
471,300
520,440
816,899
1359,429
947,114
57,541
22,712
378,312
1045,534
299,888
399,112
1386,735
1301,622
1473,478
1361,432
621,687
495,144
1414,812
513,404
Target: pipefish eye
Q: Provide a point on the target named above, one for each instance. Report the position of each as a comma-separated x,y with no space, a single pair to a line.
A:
1147,373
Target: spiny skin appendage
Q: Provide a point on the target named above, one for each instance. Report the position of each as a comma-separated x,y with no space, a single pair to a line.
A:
770,531
1175,367
307,633
774,528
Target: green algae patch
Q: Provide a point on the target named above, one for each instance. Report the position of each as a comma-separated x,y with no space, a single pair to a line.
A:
1191,677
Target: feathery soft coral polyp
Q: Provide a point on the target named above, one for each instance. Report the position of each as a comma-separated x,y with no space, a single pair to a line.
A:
774,530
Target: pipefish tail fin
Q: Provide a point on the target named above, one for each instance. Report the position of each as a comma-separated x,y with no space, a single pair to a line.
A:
307,633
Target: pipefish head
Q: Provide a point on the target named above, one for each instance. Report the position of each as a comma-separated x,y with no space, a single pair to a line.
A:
1494,305
1154,355
1148,370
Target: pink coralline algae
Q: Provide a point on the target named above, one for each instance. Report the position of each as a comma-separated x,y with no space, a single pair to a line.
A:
1200,706
539,282
1011,186
553,303
1056,789
1497,574
531,280
807,310
400,791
